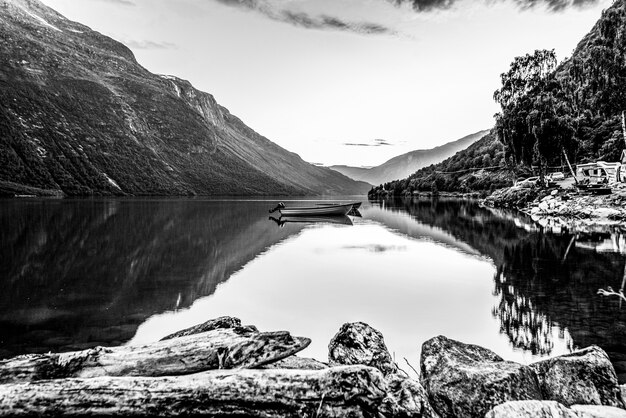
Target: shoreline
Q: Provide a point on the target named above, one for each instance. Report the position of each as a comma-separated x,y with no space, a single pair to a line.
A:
559,208
224,368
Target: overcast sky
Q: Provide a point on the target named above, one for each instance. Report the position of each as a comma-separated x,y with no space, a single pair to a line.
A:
343,81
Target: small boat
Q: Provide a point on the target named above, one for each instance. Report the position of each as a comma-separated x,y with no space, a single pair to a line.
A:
325,210
355,205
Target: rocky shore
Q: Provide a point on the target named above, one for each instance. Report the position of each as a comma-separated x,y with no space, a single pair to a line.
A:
221,368
557,208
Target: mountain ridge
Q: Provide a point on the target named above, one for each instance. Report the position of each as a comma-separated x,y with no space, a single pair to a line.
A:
403,165
83,117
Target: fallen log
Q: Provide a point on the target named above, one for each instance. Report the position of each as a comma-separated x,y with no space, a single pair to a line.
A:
218,349
295,362
347,391
210,325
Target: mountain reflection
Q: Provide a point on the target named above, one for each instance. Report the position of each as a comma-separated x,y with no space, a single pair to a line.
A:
543,281
76,274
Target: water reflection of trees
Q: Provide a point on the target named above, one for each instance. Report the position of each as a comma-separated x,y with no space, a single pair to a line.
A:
526,327
543,280
83,273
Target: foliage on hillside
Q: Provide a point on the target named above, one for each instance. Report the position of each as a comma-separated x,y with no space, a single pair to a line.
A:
573,108
80,116
477,168
548,110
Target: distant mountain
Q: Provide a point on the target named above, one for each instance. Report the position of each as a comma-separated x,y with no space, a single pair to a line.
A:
406,164
80,116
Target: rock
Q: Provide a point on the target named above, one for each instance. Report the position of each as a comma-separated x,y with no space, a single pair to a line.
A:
598,411
406,398
531,409
583,377
554,192
553,409
605,212
544,206
464,380
359,343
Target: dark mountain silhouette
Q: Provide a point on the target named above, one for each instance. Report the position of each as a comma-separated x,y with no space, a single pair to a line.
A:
80,116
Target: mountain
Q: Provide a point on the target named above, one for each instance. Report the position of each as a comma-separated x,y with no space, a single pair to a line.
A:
575,108
403,165
479,167
81,116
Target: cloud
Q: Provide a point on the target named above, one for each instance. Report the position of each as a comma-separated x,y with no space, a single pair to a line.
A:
147,44
306,20
375,143
553,5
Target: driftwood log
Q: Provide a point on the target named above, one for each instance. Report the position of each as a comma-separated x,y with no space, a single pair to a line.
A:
218,349
348,391
210,325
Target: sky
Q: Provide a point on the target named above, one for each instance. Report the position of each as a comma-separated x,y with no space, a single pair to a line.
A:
352,82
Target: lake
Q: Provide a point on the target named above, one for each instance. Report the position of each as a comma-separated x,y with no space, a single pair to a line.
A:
81,273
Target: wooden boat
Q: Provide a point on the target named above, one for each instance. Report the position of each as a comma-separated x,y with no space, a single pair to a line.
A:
318,210
355,205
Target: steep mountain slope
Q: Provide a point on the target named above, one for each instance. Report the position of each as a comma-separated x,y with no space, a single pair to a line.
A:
79,115
403,165
575,108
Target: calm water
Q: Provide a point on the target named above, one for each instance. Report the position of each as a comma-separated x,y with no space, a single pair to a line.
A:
76,274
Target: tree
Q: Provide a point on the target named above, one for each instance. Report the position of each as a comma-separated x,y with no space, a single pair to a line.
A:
536,121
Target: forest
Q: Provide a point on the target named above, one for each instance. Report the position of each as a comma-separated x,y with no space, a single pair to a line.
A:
548,111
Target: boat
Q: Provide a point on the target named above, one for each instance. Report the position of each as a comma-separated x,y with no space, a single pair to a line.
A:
355,205
325,210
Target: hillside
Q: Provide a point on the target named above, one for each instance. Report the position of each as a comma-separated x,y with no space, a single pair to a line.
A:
80,116
548,108
574,106
403,165
476,168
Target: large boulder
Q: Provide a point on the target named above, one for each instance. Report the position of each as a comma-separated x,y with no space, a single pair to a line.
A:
531,409
583,377
358,343
406,398
465,380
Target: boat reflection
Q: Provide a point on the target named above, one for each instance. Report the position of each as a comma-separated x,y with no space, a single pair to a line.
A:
337,220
